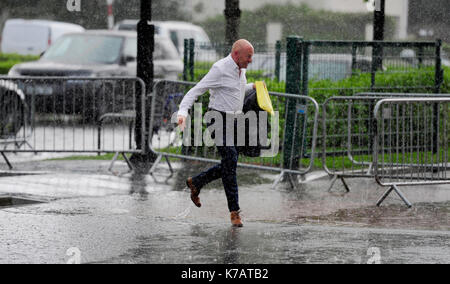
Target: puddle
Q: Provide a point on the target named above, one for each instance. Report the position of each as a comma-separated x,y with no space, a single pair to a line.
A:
67,212
425,216
10,201
17,174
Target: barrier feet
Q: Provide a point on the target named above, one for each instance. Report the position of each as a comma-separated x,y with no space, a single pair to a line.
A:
116,156
155,165
399,193
170,169
7,161
281,177
130,165
333,181
278,180
22,143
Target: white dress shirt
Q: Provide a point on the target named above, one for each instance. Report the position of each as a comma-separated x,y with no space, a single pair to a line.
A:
226,86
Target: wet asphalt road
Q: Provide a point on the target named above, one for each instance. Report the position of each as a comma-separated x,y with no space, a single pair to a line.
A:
133,219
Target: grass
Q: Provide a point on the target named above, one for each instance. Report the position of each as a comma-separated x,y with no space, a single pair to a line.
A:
332,162
7,61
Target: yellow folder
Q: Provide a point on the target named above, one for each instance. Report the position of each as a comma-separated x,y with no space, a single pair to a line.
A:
263,97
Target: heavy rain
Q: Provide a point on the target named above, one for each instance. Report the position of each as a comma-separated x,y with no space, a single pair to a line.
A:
224,132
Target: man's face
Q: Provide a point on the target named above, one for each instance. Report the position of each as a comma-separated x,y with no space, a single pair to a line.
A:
245,56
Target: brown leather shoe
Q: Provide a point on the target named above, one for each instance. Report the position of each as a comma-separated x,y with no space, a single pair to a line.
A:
194,193
236,219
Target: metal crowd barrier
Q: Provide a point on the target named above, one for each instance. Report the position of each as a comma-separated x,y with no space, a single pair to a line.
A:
347,145
397,139
15,118
411,143
348,134
77,114
167,141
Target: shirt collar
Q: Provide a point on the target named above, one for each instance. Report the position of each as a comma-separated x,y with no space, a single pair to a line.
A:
232,62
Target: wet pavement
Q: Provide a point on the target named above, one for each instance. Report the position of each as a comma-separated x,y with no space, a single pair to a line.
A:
130,218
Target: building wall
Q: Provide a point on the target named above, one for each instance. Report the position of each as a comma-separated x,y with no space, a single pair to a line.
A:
396,8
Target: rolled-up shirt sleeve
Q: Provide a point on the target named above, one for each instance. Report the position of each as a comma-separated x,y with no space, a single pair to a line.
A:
211,80
248,87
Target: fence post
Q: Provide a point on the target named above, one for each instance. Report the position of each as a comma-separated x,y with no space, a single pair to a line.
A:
191,58
293,81
277,60
305,67
354,51
185,59
375,62
439,77
305,92
420,56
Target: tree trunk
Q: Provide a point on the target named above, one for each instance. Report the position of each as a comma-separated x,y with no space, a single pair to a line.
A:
3,17
232,18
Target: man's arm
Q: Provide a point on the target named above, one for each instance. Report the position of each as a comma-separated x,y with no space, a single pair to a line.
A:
249,87
211,80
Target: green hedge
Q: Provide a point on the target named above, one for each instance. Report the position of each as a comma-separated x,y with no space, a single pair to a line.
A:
394,80
411,80
7,61
406,81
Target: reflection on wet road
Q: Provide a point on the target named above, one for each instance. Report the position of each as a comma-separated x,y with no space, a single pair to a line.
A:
132,219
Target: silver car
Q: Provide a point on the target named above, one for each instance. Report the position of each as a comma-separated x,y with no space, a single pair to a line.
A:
89,54
101,54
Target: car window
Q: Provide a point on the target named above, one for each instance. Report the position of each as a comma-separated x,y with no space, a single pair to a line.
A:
201,37
182,35
133,27
127,27
130,48
164,50
85,49
174,38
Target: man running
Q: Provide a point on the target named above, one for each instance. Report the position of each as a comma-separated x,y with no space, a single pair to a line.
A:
227,84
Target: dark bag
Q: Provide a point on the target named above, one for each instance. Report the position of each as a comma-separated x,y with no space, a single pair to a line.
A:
251,104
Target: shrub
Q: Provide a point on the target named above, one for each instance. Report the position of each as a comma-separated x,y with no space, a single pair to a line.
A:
7,61
411,80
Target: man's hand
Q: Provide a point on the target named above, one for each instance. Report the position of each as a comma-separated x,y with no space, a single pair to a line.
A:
182,122
254,85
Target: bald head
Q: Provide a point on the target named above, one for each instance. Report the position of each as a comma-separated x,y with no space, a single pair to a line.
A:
241,44
242,53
